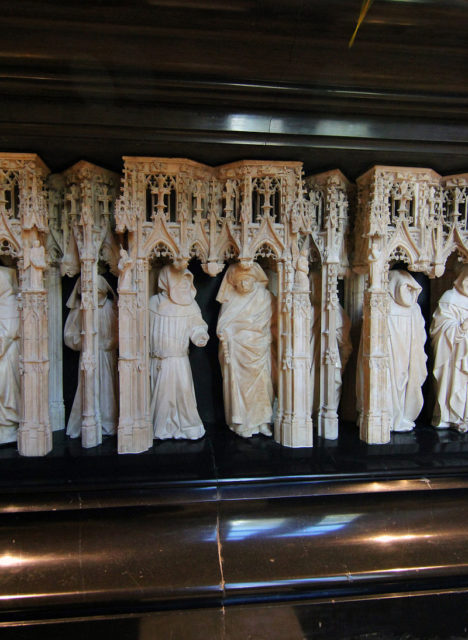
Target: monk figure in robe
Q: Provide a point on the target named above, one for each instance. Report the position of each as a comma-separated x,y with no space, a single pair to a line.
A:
107,393
406,338
9,356
449,334
245,333
175,319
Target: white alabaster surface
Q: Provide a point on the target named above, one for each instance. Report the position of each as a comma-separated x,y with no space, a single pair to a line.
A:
175,320
406,370
406,338
449,334
35,260
107,359
9,356
342,348
245,333
283,343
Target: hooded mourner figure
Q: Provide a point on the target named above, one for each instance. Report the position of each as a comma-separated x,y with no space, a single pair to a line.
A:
108,342
175,319
245,333
406,338
449,333
9,356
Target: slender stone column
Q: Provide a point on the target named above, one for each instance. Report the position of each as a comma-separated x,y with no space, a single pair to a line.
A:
295,426
34,433
54,292
328,412
375,416
135,429
91,429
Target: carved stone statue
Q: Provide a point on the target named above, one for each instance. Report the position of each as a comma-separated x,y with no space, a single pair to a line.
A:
37,264
108,342
301,278
175,319
245,333
9,356
407,359
125,267
449,333
343,344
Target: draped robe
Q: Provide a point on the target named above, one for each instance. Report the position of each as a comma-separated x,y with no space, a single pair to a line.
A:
406,338
9,357
173,410
406,370
245,359
450,344
107,378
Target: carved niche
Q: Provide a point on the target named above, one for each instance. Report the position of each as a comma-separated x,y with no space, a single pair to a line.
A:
176,209
88,243
23,238
400,218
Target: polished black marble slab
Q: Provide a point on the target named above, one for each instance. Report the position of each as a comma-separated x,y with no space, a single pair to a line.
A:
202,530
223,457
407,617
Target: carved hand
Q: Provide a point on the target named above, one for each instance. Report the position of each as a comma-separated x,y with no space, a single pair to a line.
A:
202,340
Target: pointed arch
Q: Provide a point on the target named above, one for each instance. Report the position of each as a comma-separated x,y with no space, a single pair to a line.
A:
267,235
266,250
160,235
198,251
402,241
162,250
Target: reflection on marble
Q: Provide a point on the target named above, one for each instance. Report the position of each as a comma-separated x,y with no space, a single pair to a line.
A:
223,455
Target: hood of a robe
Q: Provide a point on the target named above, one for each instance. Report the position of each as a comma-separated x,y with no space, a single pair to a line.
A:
168,282
396,281
227,288
462,298
453,296
74,301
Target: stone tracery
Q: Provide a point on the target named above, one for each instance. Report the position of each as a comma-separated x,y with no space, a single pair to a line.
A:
176,210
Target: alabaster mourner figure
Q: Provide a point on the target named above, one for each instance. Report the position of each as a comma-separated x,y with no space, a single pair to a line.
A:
108,342
9,356
38,264
449,333
244,330
175,319
406,338
343,343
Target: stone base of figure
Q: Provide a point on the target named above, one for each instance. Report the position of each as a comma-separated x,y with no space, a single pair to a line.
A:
404,426
294,432
184,433
374,429
247,432
328,425
91,434
34,442
135,438
461,428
